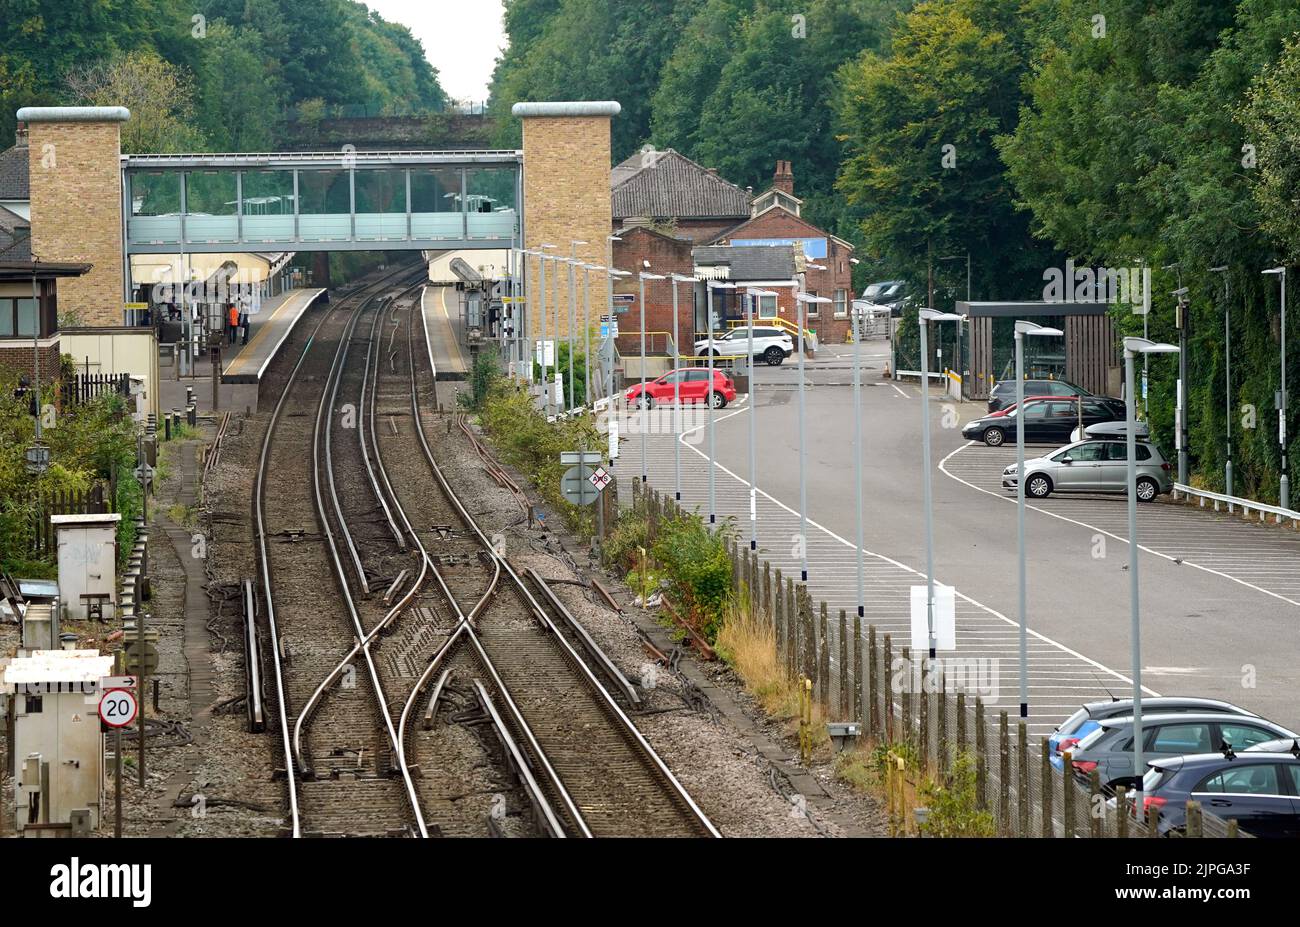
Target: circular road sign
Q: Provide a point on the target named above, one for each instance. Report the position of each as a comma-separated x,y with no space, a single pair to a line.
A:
117,707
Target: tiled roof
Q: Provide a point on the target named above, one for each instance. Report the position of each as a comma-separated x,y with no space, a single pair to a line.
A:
749,262
15,237
667,184
13,174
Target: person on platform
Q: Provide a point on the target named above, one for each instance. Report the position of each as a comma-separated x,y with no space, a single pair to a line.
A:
243,322
232,318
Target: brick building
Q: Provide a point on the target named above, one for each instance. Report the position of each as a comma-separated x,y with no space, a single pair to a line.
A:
681,217
30,323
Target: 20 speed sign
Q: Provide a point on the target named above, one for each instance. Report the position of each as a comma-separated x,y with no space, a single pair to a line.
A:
117,707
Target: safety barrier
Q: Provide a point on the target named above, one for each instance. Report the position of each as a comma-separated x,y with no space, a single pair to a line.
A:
1233,503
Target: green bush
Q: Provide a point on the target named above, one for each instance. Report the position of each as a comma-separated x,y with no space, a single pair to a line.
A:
954,809
699,569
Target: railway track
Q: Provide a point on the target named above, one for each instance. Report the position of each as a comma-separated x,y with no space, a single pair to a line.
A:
429,692
596,772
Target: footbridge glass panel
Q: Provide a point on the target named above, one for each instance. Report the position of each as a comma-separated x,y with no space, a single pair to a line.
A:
322,201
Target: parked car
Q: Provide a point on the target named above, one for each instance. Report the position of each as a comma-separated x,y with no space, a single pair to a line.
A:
890,294
1004,391
772,344
1094,466
1117,429
1011,407
1260,791
1281,745
1046,421
691,383
1088,718
1109,749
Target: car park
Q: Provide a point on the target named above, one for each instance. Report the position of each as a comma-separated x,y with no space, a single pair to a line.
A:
690,383
771,344
1095,466
1046,421
1258,790
1004,391
1090,715
1108,750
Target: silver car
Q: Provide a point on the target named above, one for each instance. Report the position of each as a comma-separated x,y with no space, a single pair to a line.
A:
1094,466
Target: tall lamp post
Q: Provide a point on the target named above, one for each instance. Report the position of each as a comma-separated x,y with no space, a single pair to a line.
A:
1023,330
803,299
677,389
858,333
1227,377
542,257
709,393
643,399
586,327
753,424
1285,491
1133,347
609,293
924,317
959,257
574,264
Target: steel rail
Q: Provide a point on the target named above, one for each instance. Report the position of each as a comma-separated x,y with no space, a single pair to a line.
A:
625,724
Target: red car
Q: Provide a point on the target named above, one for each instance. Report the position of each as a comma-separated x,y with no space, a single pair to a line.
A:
693,383
1001,412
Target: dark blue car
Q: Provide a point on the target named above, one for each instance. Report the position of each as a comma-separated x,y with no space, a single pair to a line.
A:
1259,790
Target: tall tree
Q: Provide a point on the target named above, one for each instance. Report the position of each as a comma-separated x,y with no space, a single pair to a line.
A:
158,94
919,126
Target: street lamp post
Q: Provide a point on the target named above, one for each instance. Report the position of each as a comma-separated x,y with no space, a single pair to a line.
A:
709,392
803,299
586,326
573,307
609,292
753,425
926,316
1133,347
677,390
541,293
1285,488
644,400
1033,330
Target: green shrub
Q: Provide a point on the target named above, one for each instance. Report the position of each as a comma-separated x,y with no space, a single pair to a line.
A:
954,810
697,564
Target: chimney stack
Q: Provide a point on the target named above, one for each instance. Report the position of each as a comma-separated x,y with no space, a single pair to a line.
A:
783,179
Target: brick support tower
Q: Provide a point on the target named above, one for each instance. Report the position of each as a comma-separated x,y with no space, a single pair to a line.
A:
566,198
76,202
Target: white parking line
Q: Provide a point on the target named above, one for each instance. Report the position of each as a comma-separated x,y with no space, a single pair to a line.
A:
943,467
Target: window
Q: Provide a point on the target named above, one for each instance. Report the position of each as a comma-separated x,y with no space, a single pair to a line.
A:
1243,780
1181,739
18,317
1087,452
841,304
767,307
1294,770
34,705
1244,735
1118,450
697,375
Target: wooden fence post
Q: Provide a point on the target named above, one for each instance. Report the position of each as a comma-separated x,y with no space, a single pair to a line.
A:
824,659
778,616
886,686
1048,783
905,727
961,722
1094,806
981,756
767,589
845,700
1067,794
1004,775
1022,779
1121,809
792,624
941,726
923,716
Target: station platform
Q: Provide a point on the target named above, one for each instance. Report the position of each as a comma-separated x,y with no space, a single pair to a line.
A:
267,331
444,328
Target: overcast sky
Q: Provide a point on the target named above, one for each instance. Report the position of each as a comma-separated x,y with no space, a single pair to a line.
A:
462,39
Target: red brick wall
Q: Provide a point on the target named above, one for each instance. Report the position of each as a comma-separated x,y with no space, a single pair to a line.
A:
666,256
777,223
16,359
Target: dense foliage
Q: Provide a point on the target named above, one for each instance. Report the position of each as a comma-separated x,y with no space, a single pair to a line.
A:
1025,132
215,74
89,443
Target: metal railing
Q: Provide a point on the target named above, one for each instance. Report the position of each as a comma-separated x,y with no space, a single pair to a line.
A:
1233,503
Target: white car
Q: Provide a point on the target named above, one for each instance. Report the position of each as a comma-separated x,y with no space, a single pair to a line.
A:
773,345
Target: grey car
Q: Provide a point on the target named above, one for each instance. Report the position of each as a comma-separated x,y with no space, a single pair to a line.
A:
1094,466
1109,749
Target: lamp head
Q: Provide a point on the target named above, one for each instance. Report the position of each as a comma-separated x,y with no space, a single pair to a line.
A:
1134,345
932,315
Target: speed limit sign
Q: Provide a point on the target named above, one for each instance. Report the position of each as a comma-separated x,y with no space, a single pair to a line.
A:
117,707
